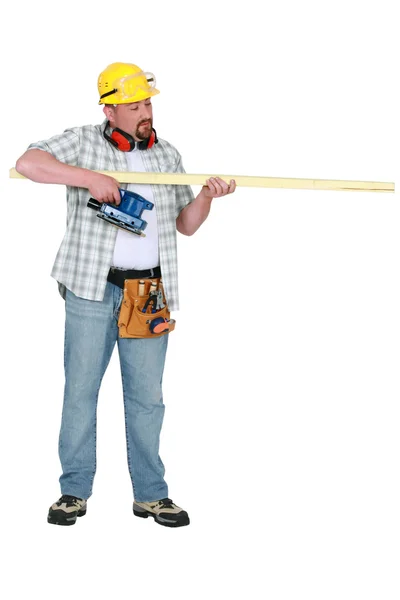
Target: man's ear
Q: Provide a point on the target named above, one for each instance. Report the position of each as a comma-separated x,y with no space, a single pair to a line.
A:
109,112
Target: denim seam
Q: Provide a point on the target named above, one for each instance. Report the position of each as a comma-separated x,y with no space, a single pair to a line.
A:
126,432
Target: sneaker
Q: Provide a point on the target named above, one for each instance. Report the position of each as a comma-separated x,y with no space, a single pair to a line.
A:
66,510
164,512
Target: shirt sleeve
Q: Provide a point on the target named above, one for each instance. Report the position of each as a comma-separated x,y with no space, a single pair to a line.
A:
64,147
183,193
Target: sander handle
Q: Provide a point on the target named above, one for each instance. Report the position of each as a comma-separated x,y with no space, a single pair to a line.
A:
94,204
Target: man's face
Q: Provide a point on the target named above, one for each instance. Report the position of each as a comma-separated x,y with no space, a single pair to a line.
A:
135,119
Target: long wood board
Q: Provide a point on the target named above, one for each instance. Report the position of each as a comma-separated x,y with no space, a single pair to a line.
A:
245,181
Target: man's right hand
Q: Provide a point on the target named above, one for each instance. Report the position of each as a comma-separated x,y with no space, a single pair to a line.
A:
103,188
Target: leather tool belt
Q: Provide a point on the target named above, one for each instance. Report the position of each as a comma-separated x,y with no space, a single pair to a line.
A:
118,276
144,312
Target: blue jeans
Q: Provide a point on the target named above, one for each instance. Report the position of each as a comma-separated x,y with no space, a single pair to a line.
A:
90,334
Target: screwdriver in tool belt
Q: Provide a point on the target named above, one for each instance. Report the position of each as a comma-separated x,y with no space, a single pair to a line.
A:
153,292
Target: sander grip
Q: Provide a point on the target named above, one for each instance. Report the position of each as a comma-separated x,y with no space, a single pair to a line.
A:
94,204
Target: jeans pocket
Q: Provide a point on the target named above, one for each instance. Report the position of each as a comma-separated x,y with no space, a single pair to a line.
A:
118,304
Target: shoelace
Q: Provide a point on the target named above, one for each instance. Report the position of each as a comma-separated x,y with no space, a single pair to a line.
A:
166,503
69,499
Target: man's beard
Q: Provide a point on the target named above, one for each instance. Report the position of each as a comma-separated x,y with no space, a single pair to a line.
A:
143,133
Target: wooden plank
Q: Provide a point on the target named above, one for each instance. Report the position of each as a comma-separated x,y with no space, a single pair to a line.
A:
245,181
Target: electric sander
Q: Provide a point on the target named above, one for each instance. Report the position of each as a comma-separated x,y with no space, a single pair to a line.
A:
127,215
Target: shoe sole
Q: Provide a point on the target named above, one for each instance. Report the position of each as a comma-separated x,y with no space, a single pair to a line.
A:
165,522
59,520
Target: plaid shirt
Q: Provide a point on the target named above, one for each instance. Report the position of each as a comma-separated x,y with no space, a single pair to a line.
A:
85,255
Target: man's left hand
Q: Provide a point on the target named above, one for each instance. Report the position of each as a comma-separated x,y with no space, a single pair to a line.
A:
216,187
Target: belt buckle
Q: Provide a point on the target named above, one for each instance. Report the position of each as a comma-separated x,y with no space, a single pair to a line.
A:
151,272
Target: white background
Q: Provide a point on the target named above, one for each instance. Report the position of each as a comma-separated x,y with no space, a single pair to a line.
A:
282,378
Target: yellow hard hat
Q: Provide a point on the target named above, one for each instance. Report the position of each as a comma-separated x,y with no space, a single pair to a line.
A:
122,83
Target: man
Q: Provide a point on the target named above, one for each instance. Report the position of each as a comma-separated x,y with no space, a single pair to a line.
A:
91,266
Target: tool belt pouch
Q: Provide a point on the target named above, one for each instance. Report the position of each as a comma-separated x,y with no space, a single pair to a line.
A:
133,322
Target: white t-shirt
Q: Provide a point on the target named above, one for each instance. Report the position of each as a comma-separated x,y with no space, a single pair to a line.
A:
132,251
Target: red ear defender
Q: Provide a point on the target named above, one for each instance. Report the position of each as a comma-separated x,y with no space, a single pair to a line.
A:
125,142
149,143
152,139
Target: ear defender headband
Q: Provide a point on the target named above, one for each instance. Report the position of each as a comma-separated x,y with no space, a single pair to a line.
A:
125,142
